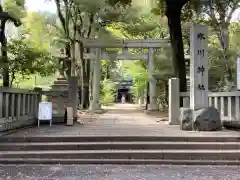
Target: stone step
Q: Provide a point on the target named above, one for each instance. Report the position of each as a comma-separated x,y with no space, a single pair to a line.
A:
45,138
59,86
208,155
62,82
117,161
61,78
119,146
62,88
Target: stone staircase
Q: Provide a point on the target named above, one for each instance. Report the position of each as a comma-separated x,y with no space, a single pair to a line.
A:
120,150
60,83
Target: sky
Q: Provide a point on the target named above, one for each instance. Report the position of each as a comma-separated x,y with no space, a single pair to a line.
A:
49,5
41,5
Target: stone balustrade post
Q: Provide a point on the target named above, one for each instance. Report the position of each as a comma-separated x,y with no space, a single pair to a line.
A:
174,101
39,99
73,94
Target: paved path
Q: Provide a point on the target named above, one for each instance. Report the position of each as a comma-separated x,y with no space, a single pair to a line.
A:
113,172
120,119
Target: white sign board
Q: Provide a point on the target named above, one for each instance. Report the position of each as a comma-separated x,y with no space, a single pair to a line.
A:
238,72
45,111
199,67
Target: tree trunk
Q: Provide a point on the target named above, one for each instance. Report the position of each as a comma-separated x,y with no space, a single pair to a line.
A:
223,37
67,61
85,78
147,97
106,75
73,58
12,79
166,89
87,63
173,12
82,66
6,78
87,81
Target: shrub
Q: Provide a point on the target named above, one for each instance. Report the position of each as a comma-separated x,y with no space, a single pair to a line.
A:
108,92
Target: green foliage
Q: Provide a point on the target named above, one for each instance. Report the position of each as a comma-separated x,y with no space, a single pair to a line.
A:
34,80
234,36
25,60
143,26
163,64
108,92
218,63
31,52
38,32
139,75
147,26
92,17
107,68
114,2
15,8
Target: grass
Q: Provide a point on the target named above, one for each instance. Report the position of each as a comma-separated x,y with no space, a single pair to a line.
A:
34,81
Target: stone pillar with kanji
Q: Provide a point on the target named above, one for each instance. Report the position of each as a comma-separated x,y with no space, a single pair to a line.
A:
199,67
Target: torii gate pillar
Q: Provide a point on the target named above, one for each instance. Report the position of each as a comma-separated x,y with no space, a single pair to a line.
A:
152,106
95,104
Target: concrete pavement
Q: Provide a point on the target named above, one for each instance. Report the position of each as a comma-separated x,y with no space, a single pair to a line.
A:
120,120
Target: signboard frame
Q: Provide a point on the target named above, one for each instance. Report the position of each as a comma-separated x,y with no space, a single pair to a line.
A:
45,110
238,72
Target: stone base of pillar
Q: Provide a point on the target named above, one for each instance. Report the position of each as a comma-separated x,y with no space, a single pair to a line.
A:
141,101
96,109
186,102
152,107
95,106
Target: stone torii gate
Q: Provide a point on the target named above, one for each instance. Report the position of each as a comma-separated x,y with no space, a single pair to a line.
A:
99,45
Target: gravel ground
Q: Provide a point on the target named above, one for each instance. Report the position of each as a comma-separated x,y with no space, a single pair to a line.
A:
114,172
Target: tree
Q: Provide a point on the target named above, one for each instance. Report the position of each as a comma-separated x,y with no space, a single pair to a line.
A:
218,15
80,20
30,52
38,31
217,79
108,92
173,12
77,19
15,10
107,67
234,36
139,75
24,60
172,9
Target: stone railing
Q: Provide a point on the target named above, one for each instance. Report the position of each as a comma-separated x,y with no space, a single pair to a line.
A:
226,102
18,108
